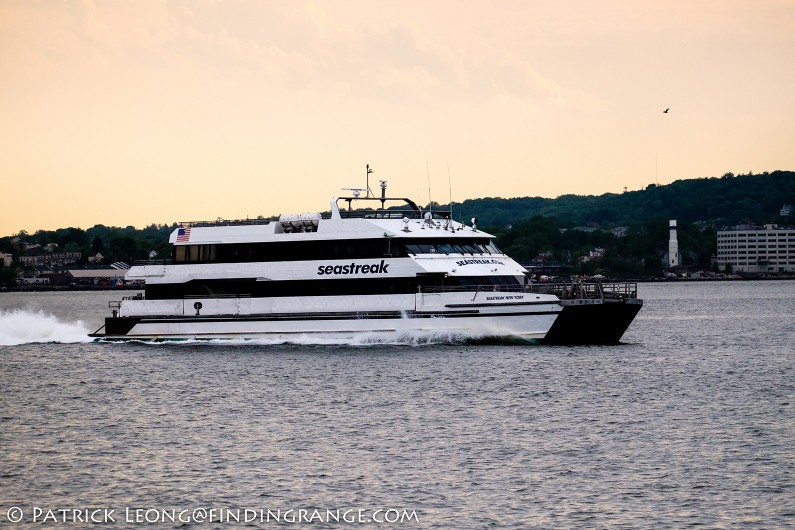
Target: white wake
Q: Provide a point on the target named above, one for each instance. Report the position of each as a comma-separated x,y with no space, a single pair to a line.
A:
21,326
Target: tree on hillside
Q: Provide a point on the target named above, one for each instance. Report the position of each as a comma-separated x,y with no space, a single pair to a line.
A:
97,246
8,276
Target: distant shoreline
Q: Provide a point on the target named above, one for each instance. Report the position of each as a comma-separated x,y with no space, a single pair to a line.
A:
37,288
737,279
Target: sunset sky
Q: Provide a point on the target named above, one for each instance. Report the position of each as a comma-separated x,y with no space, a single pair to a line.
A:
137,112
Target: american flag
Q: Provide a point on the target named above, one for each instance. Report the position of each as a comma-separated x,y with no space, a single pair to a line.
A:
183,234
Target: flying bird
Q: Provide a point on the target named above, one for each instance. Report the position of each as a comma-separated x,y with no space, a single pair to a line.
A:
666,110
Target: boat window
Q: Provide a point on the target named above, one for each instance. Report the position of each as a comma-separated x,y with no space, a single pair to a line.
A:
194,253
481,281
207,253
493,248
301,250
447,247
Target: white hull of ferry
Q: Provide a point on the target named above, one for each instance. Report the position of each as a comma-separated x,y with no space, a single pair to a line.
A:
520,328
455,316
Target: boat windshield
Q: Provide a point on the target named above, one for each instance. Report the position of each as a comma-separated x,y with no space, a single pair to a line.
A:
452,248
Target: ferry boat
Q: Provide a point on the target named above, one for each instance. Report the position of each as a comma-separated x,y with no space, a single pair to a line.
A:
373,266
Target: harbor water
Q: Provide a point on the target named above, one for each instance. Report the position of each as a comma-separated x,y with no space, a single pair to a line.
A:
689,422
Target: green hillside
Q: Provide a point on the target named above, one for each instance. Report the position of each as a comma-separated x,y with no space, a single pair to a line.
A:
724,200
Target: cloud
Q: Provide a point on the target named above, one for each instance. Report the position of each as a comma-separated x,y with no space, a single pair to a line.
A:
119,26
316,48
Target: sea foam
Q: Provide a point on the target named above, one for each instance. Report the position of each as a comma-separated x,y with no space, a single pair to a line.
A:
21,326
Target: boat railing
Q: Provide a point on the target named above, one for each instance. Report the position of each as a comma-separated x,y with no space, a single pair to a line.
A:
226,222
589,290
208,295
142,262
136,296
373,213
367,213
470,288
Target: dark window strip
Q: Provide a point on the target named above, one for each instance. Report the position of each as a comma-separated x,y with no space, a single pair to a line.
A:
249,287
328,250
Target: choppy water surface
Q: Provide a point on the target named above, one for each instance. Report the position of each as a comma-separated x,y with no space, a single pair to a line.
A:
689,423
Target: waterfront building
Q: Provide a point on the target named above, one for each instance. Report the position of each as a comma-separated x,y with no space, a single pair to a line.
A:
760,250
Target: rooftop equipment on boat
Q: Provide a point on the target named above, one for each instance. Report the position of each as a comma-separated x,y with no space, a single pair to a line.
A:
305,222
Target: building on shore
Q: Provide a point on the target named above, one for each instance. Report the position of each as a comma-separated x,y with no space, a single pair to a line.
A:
757,250
6,259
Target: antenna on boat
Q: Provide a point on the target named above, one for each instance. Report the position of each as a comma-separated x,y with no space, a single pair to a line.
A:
430,201
448,224
450,188
369,193
382,183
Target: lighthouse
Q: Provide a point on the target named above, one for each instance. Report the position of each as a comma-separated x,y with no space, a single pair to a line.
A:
673,245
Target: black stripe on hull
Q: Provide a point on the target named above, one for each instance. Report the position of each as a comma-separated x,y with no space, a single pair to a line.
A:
323,286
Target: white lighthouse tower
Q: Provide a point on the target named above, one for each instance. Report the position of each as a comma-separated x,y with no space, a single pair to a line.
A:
673,245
